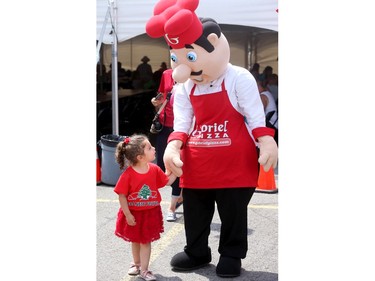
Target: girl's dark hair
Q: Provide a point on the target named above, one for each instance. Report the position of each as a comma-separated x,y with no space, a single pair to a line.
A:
129,149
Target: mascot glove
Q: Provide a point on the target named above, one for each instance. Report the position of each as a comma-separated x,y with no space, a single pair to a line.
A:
172,158
267,152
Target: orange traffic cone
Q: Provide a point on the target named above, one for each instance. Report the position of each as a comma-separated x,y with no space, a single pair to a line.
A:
98,169
266,181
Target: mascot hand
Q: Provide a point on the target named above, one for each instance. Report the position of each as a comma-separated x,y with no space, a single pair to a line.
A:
267,152
172,159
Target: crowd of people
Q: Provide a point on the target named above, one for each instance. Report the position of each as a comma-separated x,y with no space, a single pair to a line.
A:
268,89
143,77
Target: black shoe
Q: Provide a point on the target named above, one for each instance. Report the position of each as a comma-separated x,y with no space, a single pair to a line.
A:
228,267
184,262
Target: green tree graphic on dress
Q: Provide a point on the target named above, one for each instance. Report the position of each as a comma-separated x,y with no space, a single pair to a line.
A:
144,193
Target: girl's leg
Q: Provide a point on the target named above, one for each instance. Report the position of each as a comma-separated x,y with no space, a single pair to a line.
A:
135,265
136,251
145,252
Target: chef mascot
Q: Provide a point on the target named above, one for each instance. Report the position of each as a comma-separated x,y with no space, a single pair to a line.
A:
218,124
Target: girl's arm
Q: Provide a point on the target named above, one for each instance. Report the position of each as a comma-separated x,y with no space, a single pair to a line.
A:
125,208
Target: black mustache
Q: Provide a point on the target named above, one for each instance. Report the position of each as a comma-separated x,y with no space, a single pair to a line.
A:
196,73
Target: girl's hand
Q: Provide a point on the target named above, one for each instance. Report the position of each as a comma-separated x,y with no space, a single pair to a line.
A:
130,220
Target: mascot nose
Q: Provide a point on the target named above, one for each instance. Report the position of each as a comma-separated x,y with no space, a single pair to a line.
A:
181,73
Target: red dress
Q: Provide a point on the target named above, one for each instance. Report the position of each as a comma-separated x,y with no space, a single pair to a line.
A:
143,197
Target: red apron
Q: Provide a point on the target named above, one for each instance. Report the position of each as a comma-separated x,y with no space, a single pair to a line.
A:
220,152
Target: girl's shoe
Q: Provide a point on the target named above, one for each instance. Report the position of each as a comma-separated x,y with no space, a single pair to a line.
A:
147,275
134,269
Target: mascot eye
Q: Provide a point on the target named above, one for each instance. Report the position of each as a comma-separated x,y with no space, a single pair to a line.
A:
191,56
174,58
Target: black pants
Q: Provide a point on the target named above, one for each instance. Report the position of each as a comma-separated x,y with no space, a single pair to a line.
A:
199,208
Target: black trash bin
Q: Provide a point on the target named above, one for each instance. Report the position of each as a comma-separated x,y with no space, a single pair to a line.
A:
110,168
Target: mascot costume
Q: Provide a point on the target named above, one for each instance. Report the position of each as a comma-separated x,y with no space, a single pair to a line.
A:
219,135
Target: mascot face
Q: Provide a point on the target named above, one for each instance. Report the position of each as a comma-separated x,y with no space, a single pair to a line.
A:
199,65
199,51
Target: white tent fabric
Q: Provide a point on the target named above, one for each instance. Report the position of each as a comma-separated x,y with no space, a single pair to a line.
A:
251,27
132,15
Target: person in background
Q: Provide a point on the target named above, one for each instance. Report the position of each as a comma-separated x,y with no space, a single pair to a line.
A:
144,71
273,87
166,119
121,75
121,72
270,109
266,75
158,73
139,218
103,81
255,71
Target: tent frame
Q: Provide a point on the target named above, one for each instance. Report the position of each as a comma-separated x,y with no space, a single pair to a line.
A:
112,13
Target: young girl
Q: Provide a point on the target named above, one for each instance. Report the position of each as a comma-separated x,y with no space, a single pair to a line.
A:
139,219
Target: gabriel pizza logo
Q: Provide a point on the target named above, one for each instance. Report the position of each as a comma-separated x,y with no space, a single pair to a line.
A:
173,41
210,135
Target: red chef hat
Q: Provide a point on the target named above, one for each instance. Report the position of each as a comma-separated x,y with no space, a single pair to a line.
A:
176,21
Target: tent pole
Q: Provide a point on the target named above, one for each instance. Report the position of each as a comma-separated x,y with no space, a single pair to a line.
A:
131,54
247,48
115,117
99,43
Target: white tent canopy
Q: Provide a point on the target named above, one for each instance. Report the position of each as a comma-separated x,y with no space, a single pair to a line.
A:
251,27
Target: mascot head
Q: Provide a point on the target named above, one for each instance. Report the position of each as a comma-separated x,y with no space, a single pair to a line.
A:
199,50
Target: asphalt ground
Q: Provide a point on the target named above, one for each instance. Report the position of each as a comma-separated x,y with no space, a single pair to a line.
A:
114,254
